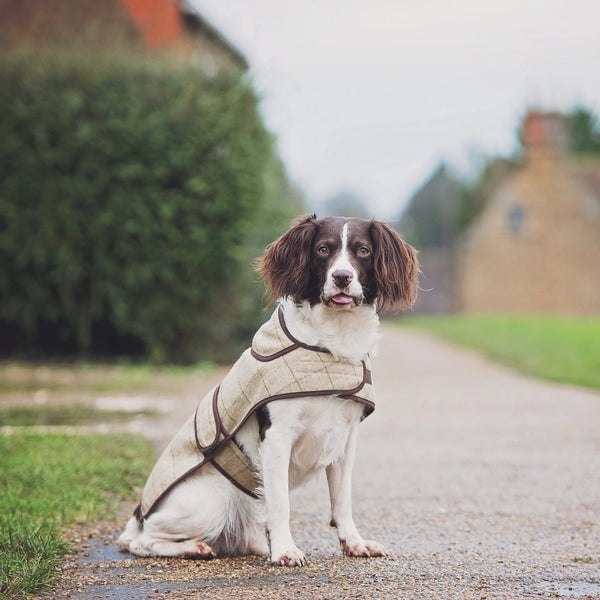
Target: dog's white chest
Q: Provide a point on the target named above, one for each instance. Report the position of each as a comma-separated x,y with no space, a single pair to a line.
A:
321,428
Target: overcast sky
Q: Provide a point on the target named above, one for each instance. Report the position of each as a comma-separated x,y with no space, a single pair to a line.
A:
370,96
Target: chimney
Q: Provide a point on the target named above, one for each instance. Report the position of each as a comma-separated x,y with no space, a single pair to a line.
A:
547,132
159,21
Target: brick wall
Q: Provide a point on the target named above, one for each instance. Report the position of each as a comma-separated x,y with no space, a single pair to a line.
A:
159,21
128,25
71,23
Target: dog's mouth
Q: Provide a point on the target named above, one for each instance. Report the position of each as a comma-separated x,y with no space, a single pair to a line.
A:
342,300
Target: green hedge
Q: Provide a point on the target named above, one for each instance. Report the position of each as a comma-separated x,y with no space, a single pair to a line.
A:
133,198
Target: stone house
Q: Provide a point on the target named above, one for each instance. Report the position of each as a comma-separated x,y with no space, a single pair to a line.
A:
535,246
171,26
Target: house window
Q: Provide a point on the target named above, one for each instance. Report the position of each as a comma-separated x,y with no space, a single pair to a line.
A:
516,219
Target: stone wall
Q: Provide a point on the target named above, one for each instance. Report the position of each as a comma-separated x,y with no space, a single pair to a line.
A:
536,246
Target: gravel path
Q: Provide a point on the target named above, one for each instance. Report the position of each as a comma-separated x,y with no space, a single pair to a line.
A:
482,484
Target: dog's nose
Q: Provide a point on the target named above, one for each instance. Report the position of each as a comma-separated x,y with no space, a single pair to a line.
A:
342,278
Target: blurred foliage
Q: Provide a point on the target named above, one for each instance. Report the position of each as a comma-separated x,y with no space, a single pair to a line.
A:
430,221
442,208
585,131
345,204
133,199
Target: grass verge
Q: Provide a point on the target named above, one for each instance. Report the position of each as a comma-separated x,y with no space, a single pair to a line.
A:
562,349
62,414
18,377
48,482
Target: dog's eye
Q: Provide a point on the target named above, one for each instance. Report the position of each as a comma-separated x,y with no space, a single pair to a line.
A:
364,251
323,250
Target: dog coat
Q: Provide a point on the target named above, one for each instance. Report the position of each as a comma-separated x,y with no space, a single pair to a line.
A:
276,367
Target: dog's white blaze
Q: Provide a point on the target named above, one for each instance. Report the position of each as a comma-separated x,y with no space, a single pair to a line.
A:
342,263
345,239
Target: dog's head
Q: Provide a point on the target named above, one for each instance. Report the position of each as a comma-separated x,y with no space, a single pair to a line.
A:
343,263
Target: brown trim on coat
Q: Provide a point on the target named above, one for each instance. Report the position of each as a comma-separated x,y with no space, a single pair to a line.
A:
218,425
295,344
369,406
235,482
179,479
350,394
293,339
270,357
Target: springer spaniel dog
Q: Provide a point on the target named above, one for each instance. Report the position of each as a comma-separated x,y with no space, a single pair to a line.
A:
332,277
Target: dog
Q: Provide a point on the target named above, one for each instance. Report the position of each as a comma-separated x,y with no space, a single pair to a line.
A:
332,278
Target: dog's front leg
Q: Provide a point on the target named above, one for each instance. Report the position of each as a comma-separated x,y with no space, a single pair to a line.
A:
339,478
276,451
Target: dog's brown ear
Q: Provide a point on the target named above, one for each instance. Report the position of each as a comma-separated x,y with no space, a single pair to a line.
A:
284,266
396,269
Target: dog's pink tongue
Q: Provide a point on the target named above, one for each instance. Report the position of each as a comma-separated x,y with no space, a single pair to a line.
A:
342,299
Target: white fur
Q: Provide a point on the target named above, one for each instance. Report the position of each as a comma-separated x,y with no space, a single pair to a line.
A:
207,513
347,334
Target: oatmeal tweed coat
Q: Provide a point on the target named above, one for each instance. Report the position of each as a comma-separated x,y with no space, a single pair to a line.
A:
276,367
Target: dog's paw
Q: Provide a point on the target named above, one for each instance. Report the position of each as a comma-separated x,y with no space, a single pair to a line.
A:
199,550
123,544
293,557
363,548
